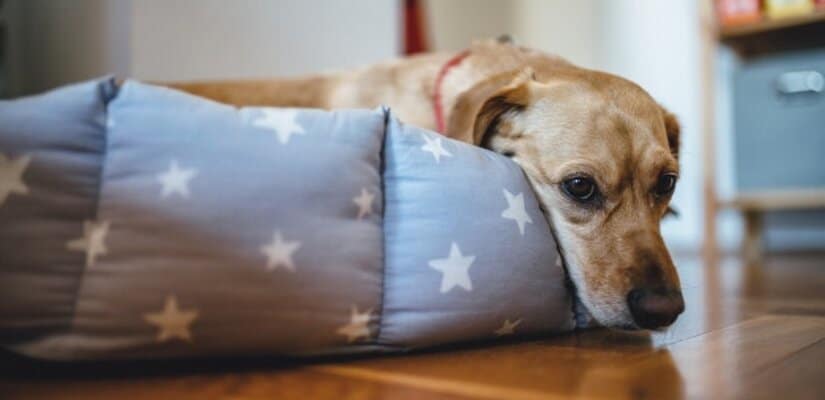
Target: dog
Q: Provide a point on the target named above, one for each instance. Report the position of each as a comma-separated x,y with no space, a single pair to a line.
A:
600,152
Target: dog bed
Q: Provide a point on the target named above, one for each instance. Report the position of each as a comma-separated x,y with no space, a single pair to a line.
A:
140,222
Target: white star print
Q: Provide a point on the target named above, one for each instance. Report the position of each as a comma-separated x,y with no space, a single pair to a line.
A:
176,180
364,203
279,252
171,321
358,326
455,269
11,176
515,210
281,121
93,241
435,147
507,328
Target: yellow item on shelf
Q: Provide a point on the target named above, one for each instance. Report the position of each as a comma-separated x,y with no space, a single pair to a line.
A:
788,8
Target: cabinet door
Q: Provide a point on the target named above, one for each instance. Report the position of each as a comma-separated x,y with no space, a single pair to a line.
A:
779,121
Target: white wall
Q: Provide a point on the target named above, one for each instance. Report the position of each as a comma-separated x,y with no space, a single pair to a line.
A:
200,39
656,44
567,28
454,24
64,41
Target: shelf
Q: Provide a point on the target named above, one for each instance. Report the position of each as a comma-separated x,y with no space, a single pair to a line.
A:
791,199
770,25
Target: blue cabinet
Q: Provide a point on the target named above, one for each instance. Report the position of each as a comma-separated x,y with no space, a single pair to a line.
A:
779,121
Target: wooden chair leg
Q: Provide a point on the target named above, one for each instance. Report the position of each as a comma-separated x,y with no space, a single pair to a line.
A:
752,242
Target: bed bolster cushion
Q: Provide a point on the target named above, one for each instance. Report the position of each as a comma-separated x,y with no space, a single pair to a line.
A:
137,221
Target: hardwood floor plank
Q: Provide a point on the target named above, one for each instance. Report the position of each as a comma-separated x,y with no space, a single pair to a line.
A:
720,364
713,365
522,370
446,386
797,377
287,384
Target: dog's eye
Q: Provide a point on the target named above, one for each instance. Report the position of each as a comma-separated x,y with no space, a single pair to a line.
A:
580,188
665,184
508,153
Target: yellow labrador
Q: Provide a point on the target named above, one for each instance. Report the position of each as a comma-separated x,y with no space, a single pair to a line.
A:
600,152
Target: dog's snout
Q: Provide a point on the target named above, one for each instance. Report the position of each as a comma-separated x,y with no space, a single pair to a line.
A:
655,308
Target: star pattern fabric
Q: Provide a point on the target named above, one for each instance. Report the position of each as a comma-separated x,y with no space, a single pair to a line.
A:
364,203
455,269
11,176
176,180
172,322
463,235
282,121
93,242
435,146
358,326
515,210
279,252
380,244
507,327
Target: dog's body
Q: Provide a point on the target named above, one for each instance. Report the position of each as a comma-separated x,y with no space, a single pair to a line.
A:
599,151
405,85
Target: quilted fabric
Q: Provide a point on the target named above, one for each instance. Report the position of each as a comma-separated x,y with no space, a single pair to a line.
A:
51,149
463,207
143,222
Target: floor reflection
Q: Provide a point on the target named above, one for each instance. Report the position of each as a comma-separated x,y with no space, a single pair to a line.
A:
626,367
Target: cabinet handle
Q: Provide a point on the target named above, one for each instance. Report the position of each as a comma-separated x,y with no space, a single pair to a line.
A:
797,82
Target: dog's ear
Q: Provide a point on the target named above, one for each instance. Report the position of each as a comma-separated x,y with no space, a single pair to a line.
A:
509,100
476,112
673,130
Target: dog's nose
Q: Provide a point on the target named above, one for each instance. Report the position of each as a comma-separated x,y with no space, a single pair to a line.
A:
655,308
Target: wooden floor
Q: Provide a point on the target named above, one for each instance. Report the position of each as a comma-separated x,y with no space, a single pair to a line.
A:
750,332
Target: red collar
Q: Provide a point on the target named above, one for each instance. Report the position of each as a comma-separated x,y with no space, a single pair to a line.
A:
438,111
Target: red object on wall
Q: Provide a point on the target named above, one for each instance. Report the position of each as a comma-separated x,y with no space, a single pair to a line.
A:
735,12
415,36
820,3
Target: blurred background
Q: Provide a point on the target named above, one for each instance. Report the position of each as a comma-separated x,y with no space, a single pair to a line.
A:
744,76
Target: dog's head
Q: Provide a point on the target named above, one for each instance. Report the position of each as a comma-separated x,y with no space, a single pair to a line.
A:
602,157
